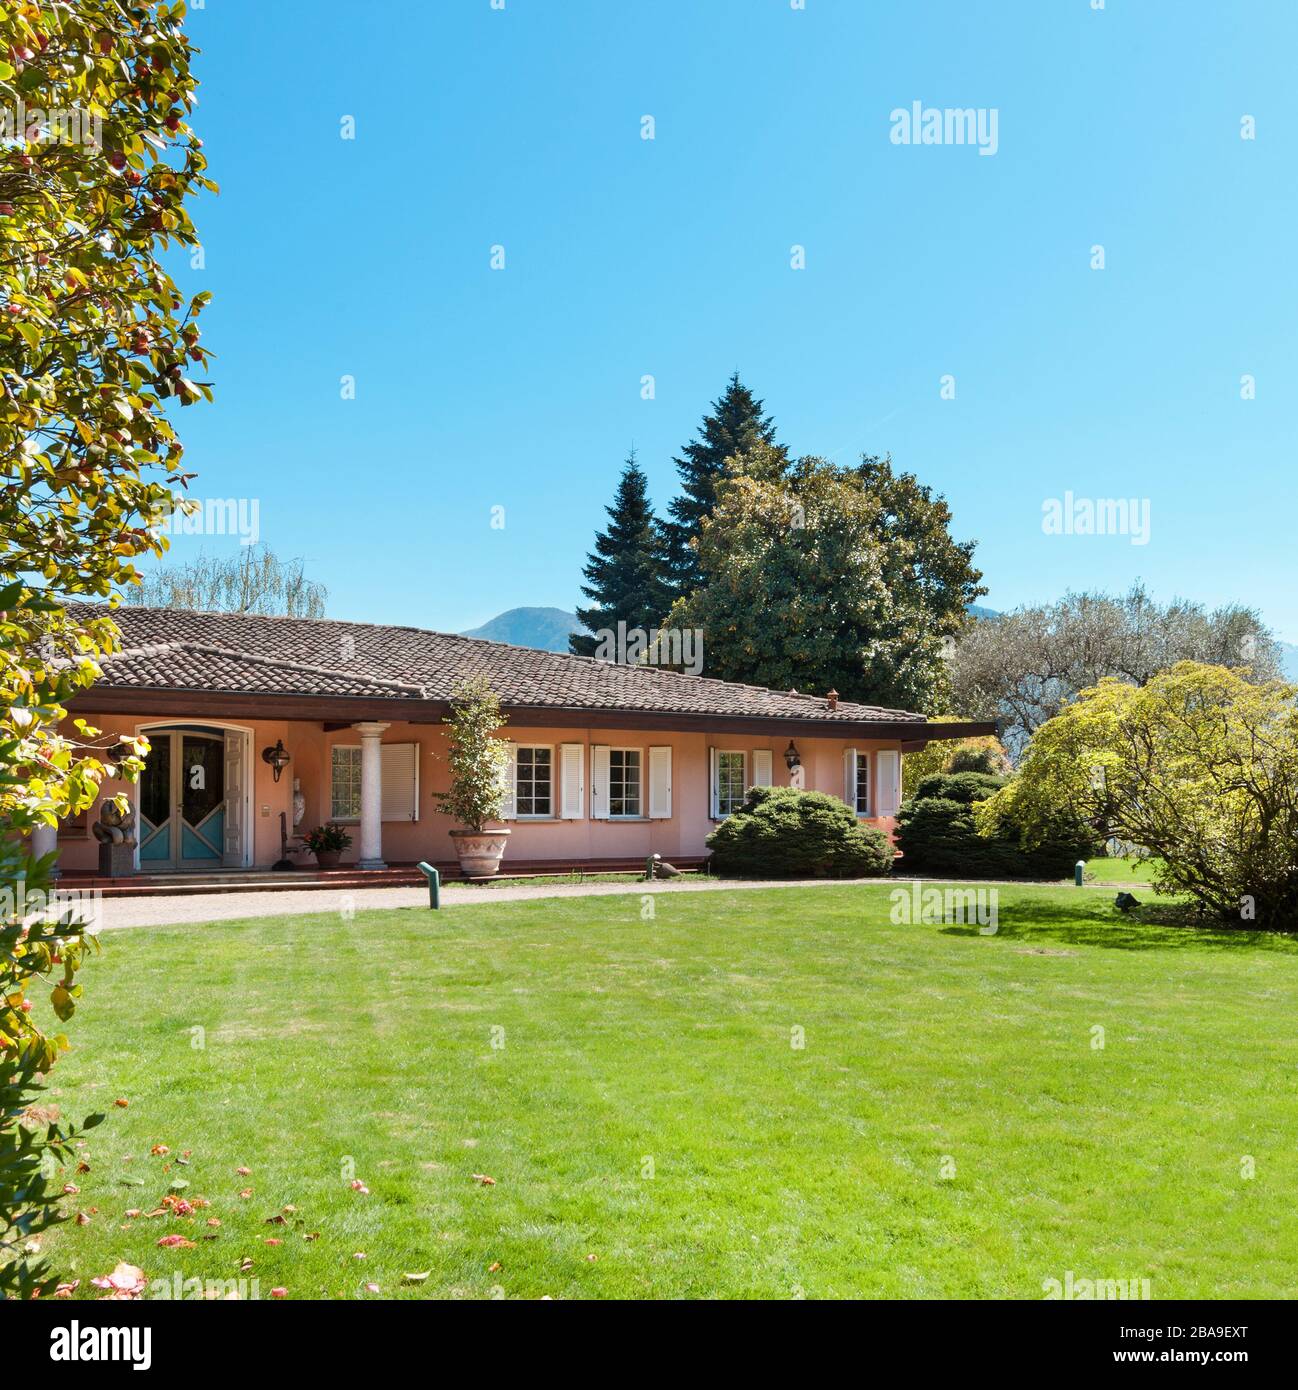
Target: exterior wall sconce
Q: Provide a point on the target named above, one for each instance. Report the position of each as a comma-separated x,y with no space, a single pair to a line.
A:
277,757
792,758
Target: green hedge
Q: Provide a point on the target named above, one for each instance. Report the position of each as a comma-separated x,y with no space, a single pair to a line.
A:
936,835
783,833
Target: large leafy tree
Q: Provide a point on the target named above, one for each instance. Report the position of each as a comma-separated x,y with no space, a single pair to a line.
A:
736,424
1197,768
1027,665
95,342
253,580
624,573
831,577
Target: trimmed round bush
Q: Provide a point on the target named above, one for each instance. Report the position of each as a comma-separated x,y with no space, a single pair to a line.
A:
780,832
936,834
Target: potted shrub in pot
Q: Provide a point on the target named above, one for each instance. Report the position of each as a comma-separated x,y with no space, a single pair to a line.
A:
479,764
327,843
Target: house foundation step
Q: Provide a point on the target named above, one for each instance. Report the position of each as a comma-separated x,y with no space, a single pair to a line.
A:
161,885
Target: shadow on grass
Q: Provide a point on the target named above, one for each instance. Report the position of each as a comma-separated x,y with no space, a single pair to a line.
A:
1099,923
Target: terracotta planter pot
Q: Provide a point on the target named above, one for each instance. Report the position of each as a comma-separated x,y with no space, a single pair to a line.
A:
328,858
480,851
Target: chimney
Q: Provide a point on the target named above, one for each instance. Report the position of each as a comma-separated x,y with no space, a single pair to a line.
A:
832,700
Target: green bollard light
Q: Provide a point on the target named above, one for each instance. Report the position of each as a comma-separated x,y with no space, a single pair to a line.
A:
1079,869
434,885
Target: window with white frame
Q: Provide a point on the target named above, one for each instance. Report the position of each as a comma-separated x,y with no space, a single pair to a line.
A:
862,805
345,782
534,782
732,778
624,782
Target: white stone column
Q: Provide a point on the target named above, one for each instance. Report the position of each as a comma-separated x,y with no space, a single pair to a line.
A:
371,734
45,839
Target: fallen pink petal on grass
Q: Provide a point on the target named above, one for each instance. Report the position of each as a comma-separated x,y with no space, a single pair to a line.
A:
126,1281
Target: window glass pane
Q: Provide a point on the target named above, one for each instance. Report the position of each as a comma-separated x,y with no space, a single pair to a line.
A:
345,784
730,783
862,784
624,782
534,767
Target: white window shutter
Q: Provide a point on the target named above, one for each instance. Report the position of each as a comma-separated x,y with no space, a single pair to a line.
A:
887,763
509,808
762,768
572,789
599,781
849,777
400,768
714,793
660,783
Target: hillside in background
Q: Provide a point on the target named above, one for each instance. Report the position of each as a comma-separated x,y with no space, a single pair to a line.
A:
545,628
548,629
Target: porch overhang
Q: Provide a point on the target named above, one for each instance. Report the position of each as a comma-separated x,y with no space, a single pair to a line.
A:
342,710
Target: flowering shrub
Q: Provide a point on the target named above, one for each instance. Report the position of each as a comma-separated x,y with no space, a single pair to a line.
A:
326,839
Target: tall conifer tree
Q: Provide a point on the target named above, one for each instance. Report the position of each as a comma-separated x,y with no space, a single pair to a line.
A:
735,425
624,572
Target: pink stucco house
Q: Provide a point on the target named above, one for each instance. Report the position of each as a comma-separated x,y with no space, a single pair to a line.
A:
608,763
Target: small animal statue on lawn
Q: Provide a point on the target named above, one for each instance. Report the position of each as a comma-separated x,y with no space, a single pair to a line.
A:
662,869
1124,902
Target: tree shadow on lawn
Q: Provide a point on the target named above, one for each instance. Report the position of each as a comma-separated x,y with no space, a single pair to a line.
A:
1154,927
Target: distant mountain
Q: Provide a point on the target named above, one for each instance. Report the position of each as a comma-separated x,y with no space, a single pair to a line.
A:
544,628
976,610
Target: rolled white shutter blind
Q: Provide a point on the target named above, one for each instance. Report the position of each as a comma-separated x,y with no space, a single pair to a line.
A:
660,783
849,777
509,809
762,768
599,781
400,767
887,764
571,788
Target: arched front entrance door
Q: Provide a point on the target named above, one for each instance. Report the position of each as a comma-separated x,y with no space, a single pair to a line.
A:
190,798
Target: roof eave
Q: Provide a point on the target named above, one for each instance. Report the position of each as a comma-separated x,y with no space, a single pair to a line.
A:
234,704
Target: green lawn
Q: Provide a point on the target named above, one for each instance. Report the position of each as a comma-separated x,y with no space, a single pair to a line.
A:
1105,870
648,1109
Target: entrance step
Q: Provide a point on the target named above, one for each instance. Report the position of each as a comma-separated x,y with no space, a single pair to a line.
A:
161,885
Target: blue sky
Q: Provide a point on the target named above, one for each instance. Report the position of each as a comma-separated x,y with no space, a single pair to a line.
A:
521,388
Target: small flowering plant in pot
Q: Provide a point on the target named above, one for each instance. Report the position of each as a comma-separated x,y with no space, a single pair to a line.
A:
479,763
327,843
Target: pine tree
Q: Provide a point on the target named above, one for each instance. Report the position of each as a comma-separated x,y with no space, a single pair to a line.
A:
624,572
735,425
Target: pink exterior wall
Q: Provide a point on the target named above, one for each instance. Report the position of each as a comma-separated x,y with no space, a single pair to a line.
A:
309,745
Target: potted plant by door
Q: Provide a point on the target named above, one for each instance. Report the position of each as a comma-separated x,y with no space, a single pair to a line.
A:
479,764
327,843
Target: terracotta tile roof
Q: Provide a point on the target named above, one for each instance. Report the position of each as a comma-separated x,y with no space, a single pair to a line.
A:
174,649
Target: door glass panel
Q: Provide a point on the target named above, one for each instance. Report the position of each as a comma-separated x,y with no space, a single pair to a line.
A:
155,782
202,777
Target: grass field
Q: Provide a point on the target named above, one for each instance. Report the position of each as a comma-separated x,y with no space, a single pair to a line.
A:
1104,870
636,1089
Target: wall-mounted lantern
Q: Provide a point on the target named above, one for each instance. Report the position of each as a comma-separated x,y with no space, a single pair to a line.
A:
792,758
277,757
